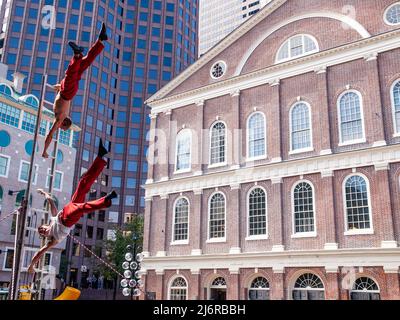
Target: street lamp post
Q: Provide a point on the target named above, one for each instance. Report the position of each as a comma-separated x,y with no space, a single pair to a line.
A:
132,282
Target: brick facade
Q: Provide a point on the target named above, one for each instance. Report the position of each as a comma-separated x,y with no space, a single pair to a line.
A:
336,256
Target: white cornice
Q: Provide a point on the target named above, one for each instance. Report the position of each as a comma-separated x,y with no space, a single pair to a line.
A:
349,52
368,257
377,156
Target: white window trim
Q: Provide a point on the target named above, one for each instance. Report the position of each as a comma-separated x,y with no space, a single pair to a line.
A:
8,86
355,141
256,158
369,231
26,97
395,133
5,258
385,14
113,213
304,235
212,67
261,157
258,237
220,239
277,60
297,276
311,147
361,231
249,288
311,234
61,180
180,242
219,164
349,143
303,150
211,286
183,133
20,170
367,291
261,236
171,281
216,240
35,173
8,165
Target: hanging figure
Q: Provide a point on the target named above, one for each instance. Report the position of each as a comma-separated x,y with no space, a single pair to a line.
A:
69,86
62,222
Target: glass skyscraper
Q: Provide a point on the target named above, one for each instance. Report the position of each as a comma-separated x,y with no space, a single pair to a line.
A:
150,43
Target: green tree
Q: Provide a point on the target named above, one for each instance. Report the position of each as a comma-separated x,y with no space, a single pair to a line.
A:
116,249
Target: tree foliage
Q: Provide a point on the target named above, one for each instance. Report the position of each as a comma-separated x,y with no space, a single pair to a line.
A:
116,248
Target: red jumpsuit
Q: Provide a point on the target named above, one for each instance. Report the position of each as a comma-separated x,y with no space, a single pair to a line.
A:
76,67
74,210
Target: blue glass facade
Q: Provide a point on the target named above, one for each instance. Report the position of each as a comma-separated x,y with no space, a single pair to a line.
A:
151,42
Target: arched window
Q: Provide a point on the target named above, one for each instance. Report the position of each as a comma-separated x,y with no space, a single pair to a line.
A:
219,282
19,198
303,208
178,289
218,289
396,106
259,289
183,150
365,289
257,207
5,89
256,135
350,117
392,14
181,220
297,46
308,287
300,127
216,224
218,143
357,208
32,100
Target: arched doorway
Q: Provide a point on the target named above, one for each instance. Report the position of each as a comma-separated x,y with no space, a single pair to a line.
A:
259,289
178,289
365,288
217,289
308,287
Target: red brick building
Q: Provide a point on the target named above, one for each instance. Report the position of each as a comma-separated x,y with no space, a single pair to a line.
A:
275,160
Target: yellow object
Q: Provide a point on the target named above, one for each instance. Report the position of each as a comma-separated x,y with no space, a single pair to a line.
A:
69,294
24,293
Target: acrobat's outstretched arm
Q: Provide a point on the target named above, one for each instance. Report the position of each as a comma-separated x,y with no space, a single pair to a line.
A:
56,125
39,254
53,207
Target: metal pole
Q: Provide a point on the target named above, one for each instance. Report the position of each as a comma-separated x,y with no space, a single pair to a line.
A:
46,216
51,184
21,218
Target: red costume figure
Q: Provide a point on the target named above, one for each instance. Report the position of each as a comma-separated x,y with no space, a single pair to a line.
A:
69,86
62,221
77,207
